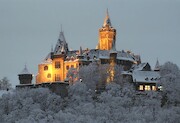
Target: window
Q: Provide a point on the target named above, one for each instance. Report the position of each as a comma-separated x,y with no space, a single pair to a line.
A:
147,87
141,88
153,88
49,75
57,65
67,67
45,68
72,66
57,77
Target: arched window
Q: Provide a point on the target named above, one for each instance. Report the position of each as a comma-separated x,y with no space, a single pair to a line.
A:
45,68
49,75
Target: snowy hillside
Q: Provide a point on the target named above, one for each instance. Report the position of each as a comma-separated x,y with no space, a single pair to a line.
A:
119,103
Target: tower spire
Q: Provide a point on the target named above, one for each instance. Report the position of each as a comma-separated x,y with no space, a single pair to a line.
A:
107,20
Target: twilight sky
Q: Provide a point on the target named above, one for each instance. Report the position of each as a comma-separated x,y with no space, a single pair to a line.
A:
28,28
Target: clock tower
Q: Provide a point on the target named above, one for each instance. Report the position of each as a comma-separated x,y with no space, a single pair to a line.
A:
107,34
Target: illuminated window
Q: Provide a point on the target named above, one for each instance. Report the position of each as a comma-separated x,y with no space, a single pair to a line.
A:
49,75
57,65
153,88
147,87
141,87
67,67
45,68
57,77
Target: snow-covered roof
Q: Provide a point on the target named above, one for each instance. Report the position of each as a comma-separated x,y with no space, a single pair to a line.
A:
100,54
47,60
126,73
139,67
25,71
145,76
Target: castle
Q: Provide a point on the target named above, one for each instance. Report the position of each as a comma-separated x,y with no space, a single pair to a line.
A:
60,60
57,63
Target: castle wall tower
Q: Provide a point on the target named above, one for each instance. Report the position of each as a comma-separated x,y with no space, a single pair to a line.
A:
107,34
25,77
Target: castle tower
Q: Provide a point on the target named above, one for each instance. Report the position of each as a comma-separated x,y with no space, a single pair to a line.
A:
25,77
107,34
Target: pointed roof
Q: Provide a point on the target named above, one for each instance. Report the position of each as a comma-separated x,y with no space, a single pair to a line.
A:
25,71
107,20
157,66
62,49
61,36
61,45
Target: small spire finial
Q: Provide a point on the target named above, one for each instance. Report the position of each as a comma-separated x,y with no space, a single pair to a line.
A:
25,65
107,13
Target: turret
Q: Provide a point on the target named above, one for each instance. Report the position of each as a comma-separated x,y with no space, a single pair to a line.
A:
80,55
25,77
157,66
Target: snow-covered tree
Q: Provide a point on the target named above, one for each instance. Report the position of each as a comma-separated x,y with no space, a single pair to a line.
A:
4,84
170,81
72,75
90,75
